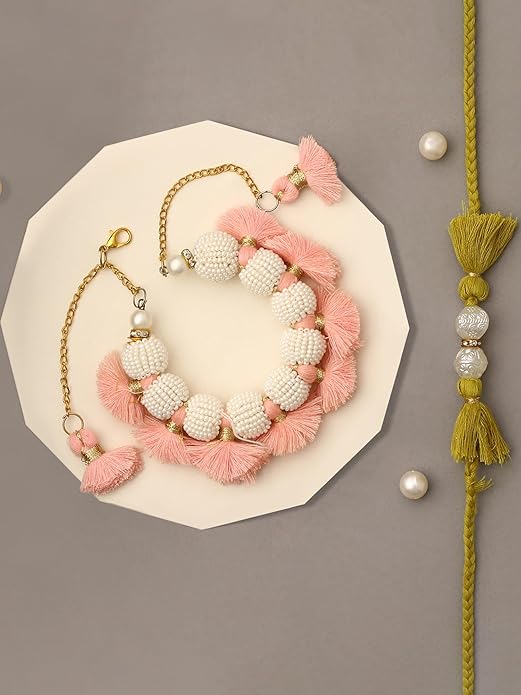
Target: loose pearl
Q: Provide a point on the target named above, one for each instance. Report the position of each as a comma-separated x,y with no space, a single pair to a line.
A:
141,319
433,145
414,485
176,265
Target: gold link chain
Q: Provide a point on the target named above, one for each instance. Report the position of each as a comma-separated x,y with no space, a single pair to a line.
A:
69,318
193,176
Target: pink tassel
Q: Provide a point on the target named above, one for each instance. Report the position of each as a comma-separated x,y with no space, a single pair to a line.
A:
339,382
105,471
341,320
229,460
164,440
292,431
250,222
316,169
114,391
314,260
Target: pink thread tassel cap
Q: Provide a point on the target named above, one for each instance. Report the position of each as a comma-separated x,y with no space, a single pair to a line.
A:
292,431
117,392
305,256
105,470
251,223
316,169
229,460
339,380
164,440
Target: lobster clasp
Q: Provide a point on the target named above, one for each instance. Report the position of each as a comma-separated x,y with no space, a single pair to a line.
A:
121,237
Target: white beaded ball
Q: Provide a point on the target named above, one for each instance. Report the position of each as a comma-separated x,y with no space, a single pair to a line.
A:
142,358
165,395
262,272
285,388
302,346
472,323
247,415
470,363
203,417
216,256
293,303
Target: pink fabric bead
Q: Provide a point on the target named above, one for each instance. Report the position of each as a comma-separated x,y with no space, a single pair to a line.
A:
307,322
271,409
246,253
286,280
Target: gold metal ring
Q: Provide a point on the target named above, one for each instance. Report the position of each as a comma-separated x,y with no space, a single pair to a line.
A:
65,420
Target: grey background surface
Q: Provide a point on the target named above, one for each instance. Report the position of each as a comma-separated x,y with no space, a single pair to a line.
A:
359,591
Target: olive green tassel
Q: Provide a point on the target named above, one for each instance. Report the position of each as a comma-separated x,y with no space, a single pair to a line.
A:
476,436
479,239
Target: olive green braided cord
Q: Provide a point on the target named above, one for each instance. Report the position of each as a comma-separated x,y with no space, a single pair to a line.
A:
469,103
478,240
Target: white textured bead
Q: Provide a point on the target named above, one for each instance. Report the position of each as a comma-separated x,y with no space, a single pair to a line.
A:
203,417
216,256
472,323
262,272
143,358
165,395
247,415
293,303
141,319
176,265
302,346
470,363
285,388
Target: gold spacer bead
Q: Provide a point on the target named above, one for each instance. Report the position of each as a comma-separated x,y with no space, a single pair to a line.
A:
135,387
320,322
226,434
295,270
320,375
248,241
281,417
173,427
297,178
90,455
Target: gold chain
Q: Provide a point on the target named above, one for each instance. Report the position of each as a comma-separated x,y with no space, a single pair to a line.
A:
69,318
193,176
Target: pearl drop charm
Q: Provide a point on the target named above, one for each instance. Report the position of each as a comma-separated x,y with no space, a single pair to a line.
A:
414,485
176,265
433,145
141,319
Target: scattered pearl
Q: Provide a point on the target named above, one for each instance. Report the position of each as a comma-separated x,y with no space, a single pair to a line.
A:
433,145
176,265
141,319
414,485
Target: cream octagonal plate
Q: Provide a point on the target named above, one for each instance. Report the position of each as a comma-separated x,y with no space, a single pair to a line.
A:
221,339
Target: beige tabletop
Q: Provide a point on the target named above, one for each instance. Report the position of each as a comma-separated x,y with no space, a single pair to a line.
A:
357,592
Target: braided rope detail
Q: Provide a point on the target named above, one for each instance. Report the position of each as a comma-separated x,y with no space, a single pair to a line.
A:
473,487
469,101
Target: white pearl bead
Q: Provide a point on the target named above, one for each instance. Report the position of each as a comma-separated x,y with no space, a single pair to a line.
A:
433,145
414,485
176,265
141,319
470,363
472,323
